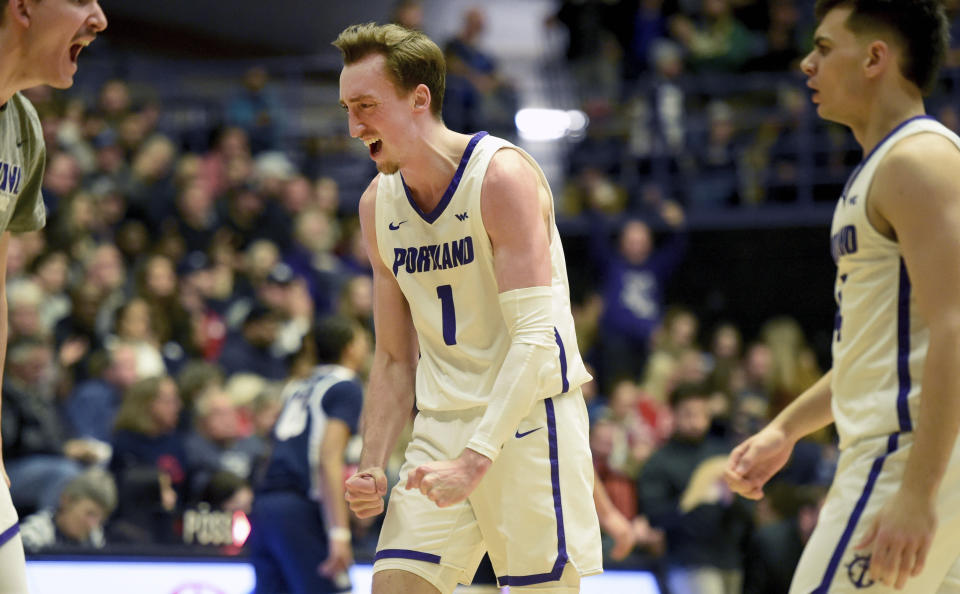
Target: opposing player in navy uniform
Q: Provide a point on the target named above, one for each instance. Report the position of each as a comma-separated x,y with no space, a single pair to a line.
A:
39,44
892,516
473,325
300,541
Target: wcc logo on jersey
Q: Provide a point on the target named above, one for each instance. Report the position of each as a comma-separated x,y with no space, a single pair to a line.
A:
440,256
10,178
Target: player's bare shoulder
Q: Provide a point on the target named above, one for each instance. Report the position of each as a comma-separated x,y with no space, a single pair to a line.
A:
920,165
508,172
916,179
368,200
512,190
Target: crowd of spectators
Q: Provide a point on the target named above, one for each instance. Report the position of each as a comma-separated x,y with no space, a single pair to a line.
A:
176,287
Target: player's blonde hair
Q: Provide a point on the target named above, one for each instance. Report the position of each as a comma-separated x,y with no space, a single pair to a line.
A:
411,57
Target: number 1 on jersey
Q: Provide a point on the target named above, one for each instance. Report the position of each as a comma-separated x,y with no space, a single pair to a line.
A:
445,294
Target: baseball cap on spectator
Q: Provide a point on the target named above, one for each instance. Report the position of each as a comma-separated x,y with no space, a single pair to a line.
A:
258,312
281,274
193,262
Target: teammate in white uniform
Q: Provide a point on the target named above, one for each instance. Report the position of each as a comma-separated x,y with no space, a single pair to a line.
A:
39,44
893,513
471,307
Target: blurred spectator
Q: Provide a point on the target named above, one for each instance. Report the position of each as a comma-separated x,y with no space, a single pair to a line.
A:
146,511
593,190
310,256
228,492
682,491
149,187
657,114
408,13
196,378
91,408
157,284
757,378
50,270
356,301
256,109
216,444
24,300
794,366
726,345
61,179
39,458
716,41
596,30
249,348
782,46
106,275
76,335
196,218
716,161
286,294
146,435
136,325
633,283
86,503
649,26
467,60
231,146
775,548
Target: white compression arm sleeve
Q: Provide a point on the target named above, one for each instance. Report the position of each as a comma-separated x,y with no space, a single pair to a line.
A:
530,372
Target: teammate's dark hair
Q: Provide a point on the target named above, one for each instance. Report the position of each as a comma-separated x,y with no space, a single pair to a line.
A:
332,336
921,26
412,57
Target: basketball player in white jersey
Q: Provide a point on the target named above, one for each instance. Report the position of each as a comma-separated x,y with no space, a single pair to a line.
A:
472,316
892,516
40,41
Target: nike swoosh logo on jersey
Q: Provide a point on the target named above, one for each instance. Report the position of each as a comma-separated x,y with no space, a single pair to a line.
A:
20,142
526,433
394,227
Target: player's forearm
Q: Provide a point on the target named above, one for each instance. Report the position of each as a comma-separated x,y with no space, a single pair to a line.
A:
386,409
3,350
334,503
530,371
939,417
809,412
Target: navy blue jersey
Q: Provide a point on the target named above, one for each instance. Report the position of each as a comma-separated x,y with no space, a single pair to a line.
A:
331,392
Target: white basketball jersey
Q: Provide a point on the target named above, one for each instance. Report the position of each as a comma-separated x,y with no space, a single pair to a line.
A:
880,341
443,262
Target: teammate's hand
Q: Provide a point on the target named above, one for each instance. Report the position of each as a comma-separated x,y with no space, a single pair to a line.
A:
899,538
449,481
339,560
365,491
753,462
3,472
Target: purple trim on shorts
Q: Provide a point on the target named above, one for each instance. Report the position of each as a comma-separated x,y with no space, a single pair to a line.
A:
406,554
434,214
824,586
9,533
563,361
557,571
903,349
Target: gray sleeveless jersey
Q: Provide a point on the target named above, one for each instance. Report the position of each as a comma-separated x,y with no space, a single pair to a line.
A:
22,158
